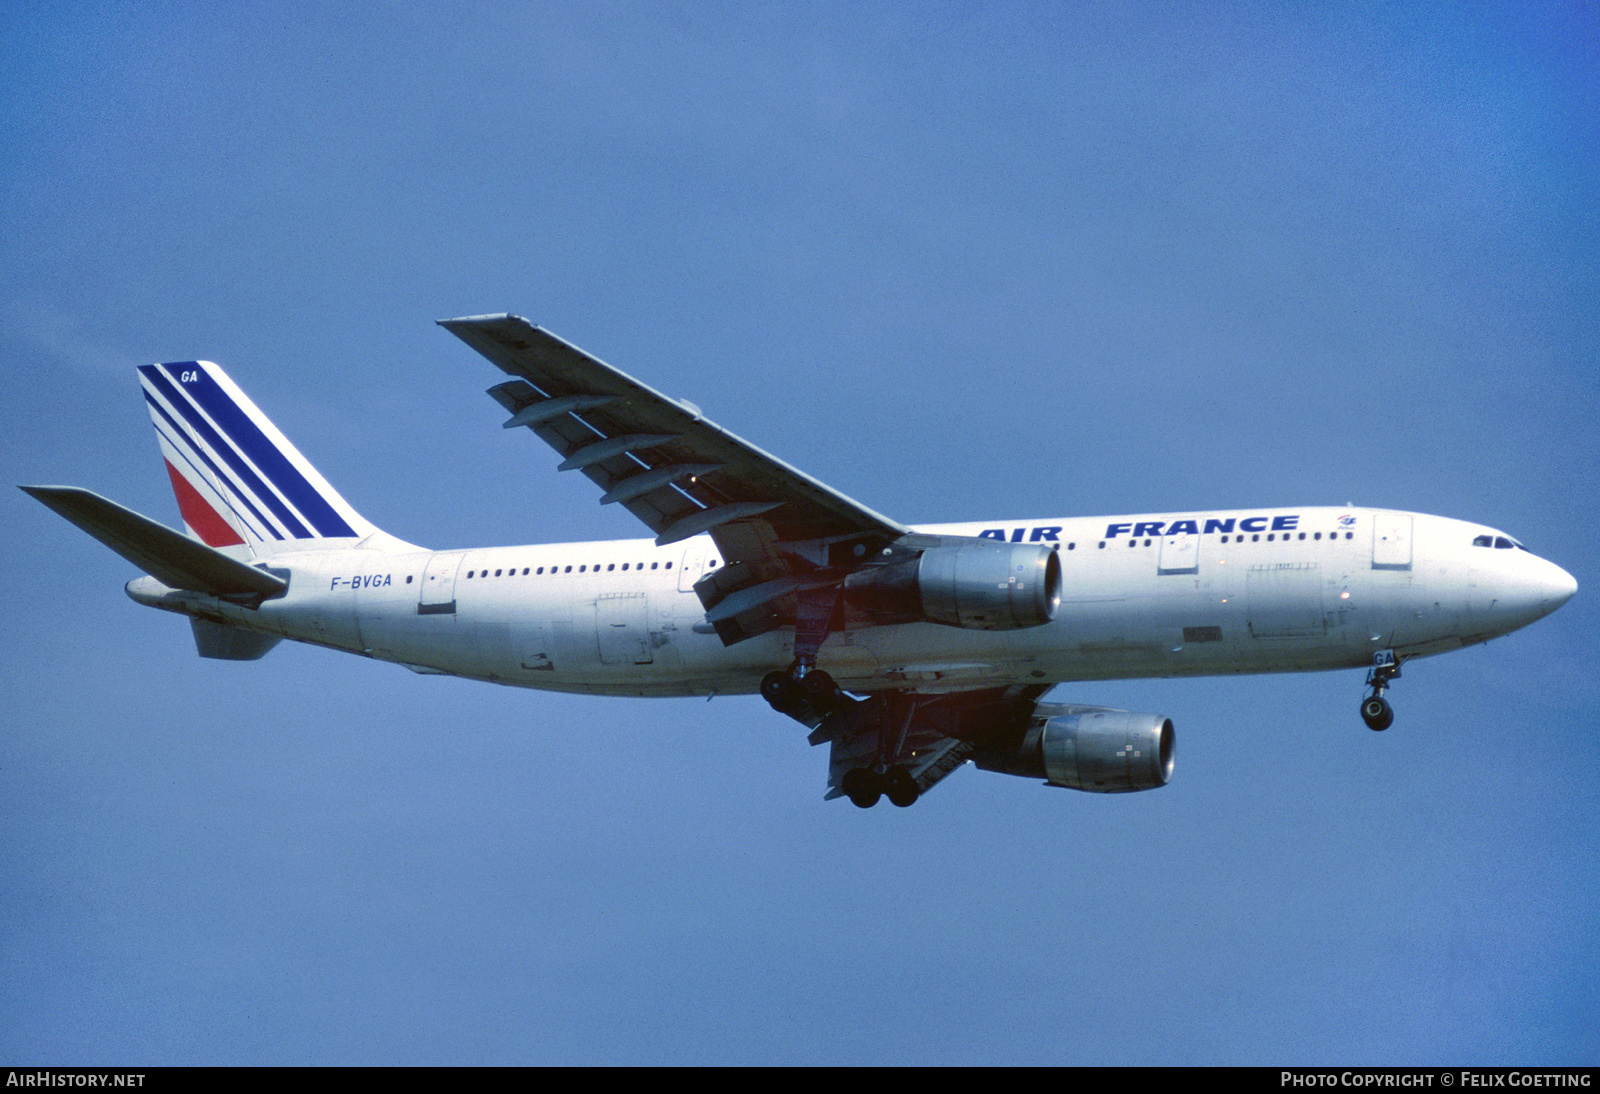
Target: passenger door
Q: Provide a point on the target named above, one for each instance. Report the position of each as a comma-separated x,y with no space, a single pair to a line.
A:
1180,554
694,559
438,594
1391,541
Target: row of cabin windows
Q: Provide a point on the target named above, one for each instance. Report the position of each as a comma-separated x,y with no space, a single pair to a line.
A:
1500,542
1271,536
512,572
1481,541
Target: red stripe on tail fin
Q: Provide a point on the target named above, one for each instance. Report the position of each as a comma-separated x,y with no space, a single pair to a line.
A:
198,514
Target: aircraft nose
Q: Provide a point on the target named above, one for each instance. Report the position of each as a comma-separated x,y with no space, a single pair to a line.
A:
1559,586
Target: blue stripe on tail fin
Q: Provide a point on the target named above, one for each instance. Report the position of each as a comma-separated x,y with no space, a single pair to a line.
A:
231,466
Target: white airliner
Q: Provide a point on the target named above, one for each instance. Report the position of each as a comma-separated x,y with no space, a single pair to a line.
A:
909,650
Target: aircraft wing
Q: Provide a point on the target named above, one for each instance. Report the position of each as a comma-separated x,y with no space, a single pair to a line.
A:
681,474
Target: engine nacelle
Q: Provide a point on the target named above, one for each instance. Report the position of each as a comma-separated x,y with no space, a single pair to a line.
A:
1107,751
981,585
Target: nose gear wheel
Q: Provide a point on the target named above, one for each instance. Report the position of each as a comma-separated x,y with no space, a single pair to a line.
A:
1375,709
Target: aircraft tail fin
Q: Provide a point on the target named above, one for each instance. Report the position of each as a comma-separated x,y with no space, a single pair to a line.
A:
238,480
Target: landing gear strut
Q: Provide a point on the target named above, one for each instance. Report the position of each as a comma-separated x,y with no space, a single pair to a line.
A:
804,684
810,695
1375,709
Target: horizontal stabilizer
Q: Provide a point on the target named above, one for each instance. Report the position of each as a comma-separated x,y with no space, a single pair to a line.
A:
170,557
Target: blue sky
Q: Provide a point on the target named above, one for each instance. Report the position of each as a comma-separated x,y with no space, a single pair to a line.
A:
958,260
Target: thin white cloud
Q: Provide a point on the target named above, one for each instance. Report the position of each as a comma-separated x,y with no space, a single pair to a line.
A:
64,338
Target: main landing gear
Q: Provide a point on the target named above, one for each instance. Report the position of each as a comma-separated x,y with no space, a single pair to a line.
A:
1375,709
787,690
864,785
804,690
810,695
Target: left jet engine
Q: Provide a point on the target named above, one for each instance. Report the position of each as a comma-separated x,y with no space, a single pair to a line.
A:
1089,748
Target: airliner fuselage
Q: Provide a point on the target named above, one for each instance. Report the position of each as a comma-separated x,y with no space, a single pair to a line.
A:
1325,591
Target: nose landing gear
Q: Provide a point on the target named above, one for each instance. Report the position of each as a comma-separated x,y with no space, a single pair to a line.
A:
1375,709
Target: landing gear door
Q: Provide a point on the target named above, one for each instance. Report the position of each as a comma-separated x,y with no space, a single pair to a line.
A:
438,595
1391,541
694,560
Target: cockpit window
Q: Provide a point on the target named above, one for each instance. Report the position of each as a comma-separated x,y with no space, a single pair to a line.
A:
1502,543
1483,541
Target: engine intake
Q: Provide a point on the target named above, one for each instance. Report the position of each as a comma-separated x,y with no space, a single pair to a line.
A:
982,585
1107,751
